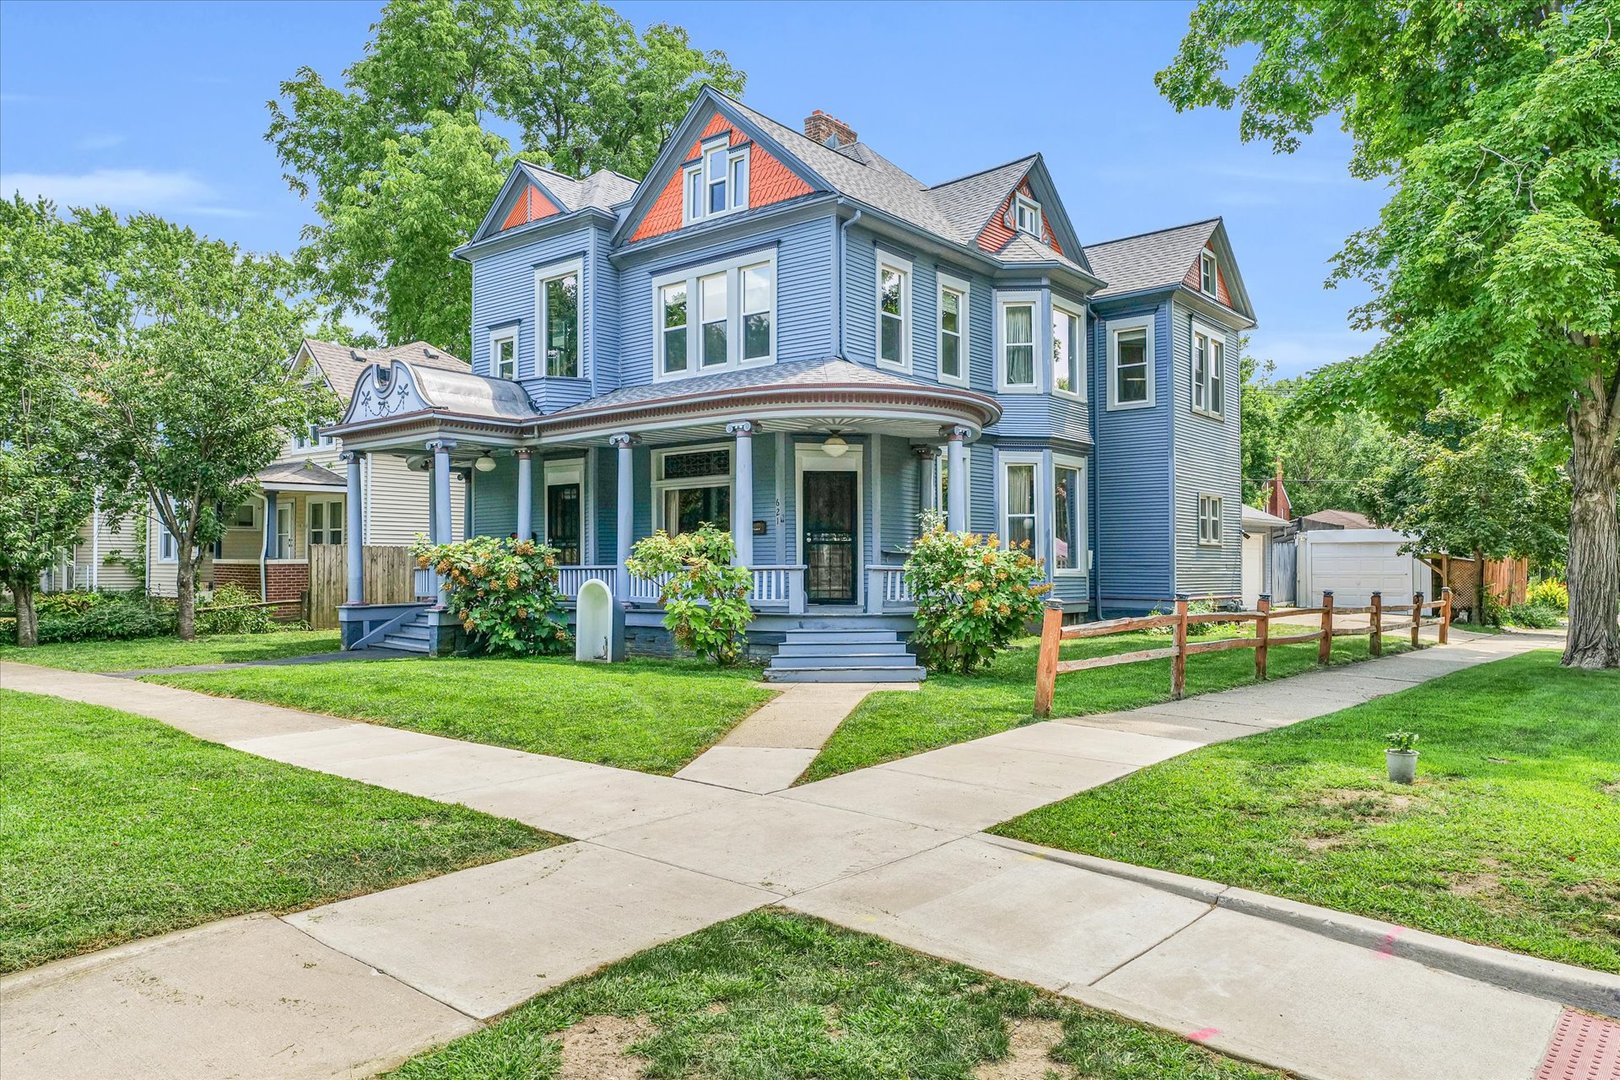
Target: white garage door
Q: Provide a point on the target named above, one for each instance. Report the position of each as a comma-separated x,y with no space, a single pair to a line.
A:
1352,563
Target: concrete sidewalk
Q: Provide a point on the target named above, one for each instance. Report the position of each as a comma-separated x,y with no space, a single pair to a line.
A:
892,850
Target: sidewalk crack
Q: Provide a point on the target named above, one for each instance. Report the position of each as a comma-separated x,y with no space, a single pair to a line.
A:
1138,955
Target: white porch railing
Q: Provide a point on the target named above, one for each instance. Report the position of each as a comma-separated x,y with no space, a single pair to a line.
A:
775,588
778,588
427,585
886,589
570,578
644,591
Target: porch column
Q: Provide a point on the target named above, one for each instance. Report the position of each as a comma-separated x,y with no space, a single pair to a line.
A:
956,481
742,508
927,460
525,493
624,520
352,529
443,530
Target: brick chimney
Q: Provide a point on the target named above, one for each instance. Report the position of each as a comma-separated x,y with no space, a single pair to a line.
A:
828,130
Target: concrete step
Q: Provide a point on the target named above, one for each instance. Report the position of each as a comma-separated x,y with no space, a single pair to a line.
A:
793,647
848,674
828,663
839,637
404,643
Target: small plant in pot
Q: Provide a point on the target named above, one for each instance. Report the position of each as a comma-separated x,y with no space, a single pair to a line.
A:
1400,756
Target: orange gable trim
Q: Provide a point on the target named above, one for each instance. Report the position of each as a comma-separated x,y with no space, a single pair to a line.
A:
1194,278
769,181
996,234
530,206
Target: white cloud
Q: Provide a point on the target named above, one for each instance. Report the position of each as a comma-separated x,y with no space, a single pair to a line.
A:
99,142
123,189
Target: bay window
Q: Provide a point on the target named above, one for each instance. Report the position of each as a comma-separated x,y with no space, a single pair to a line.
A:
1018,344
717,182
714,317
1068,351
692,488
1018,504
1068,516
894,314
557,316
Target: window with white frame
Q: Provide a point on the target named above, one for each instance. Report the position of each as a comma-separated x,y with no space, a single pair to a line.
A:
1209,520
503,353
557,316
245,516
1018,503
1208,278
1208,372
326,521
717,182
1068,351
284,531
168,551
692,487
1068,516
1130,363
1027,216
716,316
953,313
894,313
1018,343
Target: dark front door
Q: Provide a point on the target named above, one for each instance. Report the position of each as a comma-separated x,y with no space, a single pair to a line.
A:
562,522
829,537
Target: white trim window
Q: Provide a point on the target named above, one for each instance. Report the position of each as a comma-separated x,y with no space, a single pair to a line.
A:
1068,350
1208,371
1017,341
503,353
1020,502
557,314
1131,364
284,530
716,316
326,521
1208,274
716,183
953,330
1209,520
1027,216
245,516
692,487
168,550
894,313
1069,544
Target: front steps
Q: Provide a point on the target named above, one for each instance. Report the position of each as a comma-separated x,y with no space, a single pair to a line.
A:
413,635
828,652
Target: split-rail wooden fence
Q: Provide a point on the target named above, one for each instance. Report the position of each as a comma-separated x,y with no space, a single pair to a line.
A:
1054,634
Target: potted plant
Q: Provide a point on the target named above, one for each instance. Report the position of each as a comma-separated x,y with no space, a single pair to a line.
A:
1400,756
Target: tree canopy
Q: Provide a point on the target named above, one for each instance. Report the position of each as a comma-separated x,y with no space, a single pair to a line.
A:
404,156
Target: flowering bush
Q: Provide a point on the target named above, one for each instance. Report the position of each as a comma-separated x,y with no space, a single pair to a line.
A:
973,596
504,592
705,598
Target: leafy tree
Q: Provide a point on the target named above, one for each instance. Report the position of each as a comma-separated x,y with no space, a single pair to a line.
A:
45,493
190,388
1495,266
1262,406
402,161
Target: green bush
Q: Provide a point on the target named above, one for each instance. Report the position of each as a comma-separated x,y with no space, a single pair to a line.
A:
1532,616
705,598
229,611
973,596
102,616
1197,629
504,591
1550,593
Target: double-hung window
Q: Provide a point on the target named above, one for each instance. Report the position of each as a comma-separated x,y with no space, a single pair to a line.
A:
894,313
1068,516
717,182
1027,215
1130,363
503,353
1017,343
1208,278
691,488
717,316
953,339
168,551
1068,351
1018,503
1209,520
1208,371
326,521
557,316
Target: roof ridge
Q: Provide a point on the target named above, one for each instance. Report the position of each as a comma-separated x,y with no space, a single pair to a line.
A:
1152,232
981,172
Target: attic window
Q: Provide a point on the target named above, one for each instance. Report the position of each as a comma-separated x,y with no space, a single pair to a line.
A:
717,182
1206,273
1027,216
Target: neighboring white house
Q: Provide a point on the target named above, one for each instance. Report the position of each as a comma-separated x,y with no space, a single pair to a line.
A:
1353,563
1259,542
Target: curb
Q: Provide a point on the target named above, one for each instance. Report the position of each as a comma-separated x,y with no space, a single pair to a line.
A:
1594,991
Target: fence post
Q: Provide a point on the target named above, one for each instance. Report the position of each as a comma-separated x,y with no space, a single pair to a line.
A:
1324,648
1445,613
1417,617
1046,666
1178,662
1262,634
1375,635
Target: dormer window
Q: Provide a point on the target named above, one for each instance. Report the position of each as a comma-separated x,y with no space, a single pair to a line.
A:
717,182
1027,216
1206,273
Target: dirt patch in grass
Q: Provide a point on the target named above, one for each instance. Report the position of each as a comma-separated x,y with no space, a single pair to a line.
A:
1372,807
1325,843
597,1048
1029,1046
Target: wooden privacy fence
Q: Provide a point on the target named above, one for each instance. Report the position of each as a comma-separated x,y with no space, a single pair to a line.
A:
387,572
1053,634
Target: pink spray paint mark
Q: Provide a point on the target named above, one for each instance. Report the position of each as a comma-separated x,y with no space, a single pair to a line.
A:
1387,946
1202,1034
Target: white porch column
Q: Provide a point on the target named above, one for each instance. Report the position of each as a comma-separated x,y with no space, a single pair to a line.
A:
443,529
624,519
928,463
742,503
956,481
353,529
525,493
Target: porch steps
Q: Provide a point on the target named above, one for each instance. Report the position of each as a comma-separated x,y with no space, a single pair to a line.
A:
828,654
411,635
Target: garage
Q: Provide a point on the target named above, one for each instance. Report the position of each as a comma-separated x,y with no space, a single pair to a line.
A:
1354,563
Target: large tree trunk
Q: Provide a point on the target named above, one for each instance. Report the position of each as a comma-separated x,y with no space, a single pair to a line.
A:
22,590
1594,532
185,588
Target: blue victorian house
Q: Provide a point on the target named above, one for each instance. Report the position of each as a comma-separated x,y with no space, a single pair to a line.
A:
782,332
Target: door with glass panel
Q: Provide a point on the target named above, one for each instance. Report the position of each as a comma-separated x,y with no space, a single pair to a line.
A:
830,537
565,514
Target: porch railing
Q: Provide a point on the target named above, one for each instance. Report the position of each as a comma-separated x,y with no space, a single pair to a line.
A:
886,589
427,585
778,588
570,578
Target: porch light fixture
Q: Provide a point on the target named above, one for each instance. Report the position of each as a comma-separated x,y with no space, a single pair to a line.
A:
485,463
834,445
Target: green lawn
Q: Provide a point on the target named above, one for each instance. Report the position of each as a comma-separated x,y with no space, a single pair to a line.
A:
777,995
647,714
953,708
1511,837
172,652
115,827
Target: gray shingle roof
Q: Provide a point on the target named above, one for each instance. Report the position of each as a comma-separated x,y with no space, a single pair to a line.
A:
306,473
1151,260
970,201
603,190
1025,248
342,365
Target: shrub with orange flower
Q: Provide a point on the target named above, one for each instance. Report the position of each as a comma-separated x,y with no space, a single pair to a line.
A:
705,597
503,591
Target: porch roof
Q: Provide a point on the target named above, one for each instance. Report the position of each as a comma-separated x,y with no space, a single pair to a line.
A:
292,476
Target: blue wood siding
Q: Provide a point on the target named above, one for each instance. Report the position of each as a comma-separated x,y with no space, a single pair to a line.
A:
1208,462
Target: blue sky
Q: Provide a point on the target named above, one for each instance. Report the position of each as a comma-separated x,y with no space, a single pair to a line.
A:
162,107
